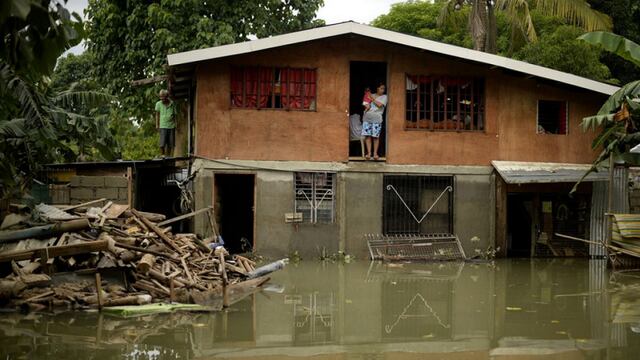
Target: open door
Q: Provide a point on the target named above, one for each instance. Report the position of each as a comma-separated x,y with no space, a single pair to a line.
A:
234,209
519,225
365,74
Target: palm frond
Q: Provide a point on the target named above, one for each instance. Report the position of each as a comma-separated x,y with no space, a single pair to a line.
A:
13,128
517,11
87,98
28,97
577,12
446,16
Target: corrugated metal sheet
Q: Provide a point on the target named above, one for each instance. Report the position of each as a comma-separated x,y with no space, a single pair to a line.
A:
597,225
599,206
517,172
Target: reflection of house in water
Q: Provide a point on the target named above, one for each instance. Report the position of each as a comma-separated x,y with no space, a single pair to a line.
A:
560,309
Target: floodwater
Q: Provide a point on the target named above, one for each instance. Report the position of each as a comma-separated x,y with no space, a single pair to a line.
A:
511,309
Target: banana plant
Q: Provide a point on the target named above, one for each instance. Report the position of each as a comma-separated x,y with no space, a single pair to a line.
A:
619,117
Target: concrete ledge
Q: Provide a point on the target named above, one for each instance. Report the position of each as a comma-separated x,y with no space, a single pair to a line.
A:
356,167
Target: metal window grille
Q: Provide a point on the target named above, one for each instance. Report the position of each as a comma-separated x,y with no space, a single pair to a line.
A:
415,204
444,103
268,87
315,197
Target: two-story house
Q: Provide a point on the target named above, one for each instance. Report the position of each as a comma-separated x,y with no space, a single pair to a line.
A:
487,145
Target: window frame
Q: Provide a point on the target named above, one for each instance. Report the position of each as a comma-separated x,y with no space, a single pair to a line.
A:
313,100
566,117
478,88
303,203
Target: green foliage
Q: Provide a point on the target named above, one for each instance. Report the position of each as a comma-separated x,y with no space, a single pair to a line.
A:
619,116
129,40
615,44
556,48
625,15
35,33
39,124
561,50
420,18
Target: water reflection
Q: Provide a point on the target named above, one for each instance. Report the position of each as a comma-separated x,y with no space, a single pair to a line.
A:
513,309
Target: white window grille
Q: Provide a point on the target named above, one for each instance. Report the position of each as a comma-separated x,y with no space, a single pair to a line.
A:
315,197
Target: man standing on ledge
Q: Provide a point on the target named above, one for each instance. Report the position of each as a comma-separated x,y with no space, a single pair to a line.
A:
166,123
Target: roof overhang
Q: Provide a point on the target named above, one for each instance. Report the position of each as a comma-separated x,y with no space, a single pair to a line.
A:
350,27
519,172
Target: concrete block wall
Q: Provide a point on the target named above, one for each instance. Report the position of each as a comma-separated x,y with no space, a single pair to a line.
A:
87,188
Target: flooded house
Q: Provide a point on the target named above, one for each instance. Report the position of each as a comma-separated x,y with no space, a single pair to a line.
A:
472,144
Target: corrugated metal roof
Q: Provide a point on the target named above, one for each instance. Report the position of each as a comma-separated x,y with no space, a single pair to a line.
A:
517,172
351,27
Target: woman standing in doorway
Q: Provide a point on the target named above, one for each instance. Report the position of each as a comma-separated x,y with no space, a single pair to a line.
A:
372,121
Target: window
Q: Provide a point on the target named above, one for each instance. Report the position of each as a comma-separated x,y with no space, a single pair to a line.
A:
315,197
407,198
273,88
553,117
444,103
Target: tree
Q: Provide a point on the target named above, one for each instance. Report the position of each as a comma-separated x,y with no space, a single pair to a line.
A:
557,47
130,40
482,18
619,117
39,125
625,15
561,50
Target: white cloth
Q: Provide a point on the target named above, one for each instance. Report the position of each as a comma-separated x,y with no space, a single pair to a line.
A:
355,127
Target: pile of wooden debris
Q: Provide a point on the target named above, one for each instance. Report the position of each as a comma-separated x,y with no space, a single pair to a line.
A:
85,257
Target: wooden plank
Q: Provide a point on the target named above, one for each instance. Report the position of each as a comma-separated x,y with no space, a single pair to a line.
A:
84,204
182,217
54,251
157,230
115,210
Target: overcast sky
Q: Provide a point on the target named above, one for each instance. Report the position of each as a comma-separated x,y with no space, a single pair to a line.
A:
333,11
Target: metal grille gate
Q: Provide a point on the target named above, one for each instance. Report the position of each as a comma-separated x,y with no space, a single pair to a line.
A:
417,204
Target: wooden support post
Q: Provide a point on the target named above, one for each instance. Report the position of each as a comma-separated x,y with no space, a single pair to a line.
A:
99,290
172,294
225,297
501,216
610,200
129,187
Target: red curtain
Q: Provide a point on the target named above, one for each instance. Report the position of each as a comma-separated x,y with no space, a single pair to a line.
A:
298,88
562,118
252,78
237,76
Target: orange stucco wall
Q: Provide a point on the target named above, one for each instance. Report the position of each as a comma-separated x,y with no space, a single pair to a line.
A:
323,135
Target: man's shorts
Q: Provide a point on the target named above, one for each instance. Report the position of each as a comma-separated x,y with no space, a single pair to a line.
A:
371,129
167,138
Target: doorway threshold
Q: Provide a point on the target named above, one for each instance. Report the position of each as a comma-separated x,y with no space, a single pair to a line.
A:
361,159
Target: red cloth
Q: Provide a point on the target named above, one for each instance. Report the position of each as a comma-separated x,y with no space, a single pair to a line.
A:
298,88
251,78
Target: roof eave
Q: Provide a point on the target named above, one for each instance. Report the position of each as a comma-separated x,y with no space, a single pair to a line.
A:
394,37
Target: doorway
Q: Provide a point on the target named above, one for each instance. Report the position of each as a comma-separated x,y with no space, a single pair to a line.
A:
365,74
234,209
519,225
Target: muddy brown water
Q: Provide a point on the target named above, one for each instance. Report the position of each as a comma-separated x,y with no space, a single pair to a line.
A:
512,309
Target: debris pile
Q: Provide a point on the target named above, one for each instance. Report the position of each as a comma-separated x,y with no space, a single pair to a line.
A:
112,255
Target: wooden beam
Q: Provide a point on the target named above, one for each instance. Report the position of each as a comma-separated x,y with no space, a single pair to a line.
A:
157,230
182,217
147,81
53,251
